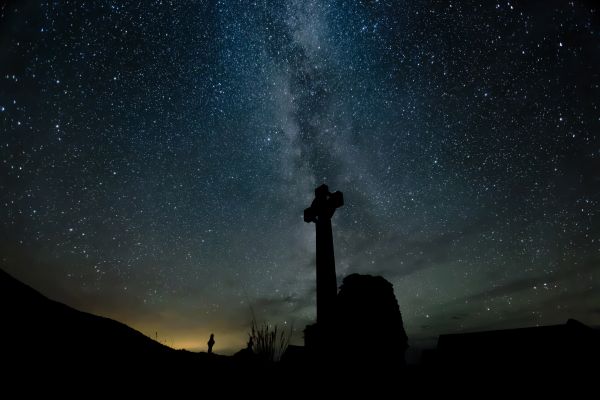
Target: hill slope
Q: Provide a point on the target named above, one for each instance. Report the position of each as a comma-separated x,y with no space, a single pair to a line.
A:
34,325
44,339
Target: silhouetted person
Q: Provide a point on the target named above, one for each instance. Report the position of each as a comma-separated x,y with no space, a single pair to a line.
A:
250,344
211,343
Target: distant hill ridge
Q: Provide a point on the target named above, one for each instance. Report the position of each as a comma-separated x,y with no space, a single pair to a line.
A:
49,340
43,326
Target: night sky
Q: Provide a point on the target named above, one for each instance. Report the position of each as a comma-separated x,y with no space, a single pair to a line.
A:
156,158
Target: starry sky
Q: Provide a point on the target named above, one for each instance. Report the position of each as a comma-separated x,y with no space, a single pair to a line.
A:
156,158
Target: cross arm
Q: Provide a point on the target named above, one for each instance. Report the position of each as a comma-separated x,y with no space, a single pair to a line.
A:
310,215
336,200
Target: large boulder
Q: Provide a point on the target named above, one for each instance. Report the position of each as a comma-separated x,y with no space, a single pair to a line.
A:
369,325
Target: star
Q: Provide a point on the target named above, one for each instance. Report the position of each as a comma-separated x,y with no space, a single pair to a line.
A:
156,158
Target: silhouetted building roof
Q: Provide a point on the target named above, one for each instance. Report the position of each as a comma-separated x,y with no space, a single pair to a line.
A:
546,346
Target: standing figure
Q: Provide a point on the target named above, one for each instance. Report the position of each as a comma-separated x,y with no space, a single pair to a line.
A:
211,343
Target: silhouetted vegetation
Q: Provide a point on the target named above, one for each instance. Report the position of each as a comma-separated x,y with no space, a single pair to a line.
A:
368,321
269,341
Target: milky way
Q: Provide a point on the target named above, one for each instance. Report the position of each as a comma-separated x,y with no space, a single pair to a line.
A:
156,157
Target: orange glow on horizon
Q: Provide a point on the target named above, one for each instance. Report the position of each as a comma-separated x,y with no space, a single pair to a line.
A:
226,343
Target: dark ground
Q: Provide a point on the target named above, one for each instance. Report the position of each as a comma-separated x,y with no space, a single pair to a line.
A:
48,348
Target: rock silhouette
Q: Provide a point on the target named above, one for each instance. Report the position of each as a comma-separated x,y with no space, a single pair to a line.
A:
367,332
369,324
